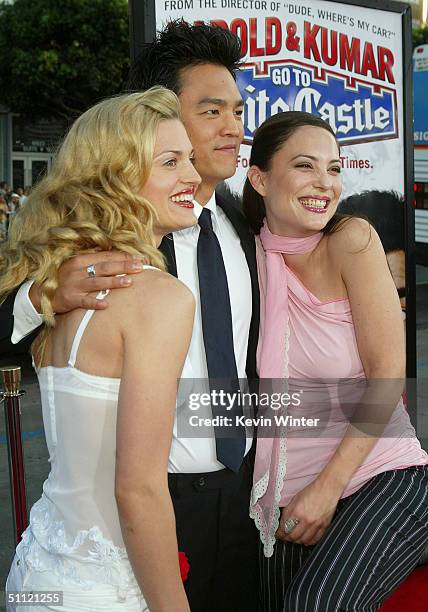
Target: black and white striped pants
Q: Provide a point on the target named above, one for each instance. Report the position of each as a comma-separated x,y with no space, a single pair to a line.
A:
376,538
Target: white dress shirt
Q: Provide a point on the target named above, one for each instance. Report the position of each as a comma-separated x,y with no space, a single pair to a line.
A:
199,454
25,316
196,454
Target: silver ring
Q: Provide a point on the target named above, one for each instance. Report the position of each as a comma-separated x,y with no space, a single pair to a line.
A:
290,524
91,270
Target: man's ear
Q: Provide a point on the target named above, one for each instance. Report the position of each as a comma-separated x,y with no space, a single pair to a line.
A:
257,179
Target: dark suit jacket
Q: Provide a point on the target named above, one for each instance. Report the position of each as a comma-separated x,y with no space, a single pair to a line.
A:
6,329
246,237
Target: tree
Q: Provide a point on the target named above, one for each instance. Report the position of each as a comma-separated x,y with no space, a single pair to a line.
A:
420,36
58,57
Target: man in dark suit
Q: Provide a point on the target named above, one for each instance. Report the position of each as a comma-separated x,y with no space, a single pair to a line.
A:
210,478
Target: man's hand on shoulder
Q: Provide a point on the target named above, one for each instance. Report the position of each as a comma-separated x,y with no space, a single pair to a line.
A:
76,285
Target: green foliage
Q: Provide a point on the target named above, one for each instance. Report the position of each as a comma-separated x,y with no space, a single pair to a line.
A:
420,36
58,57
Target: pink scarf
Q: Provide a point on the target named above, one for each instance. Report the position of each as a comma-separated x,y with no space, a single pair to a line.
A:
272,362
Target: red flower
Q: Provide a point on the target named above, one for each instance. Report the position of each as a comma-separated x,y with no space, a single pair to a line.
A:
184,565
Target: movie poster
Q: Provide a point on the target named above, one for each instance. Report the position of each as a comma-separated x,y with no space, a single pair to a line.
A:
335,60
341,62
338,61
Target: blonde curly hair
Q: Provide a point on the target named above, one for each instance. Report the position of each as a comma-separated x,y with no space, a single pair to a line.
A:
89,200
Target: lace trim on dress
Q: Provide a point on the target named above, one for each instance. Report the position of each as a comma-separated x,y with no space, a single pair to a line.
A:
89,560
268,528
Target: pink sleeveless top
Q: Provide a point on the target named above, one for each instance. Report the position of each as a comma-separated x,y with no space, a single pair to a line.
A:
319,343
322,344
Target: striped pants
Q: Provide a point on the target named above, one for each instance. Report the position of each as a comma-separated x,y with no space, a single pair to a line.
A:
376,538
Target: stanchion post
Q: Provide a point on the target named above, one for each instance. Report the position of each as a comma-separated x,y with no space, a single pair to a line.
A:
11,377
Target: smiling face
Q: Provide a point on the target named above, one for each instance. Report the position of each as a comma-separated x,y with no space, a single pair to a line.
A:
173,180
301,189
211,108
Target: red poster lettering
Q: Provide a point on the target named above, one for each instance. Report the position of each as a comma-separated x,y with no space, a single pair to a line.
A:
311,50
273,33
254,49
369,61
239,28
329,57
219,22
385,62
349,55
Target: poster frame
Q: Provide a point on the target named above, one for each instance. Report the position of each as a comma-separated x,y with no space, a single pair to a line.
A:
142,19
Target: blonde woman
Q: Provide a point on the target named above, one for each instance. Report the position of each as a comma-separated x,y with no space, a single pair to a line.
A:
103,531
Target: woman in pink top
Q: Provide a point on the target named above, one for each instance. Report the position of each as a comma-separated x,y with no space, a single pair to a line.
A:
342,508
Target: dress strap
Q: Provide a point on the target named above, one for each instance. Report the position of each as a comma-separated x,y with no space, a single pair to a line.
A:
147,267
85,320
80,330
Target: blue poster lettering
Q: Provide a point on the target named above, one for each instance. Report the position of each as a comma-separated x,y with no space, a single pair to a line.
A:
357,111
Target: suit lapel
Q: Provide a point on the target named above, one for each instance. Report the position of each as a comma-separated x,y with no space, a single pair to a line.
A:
242,228
239,223
248,245
246,238
167,249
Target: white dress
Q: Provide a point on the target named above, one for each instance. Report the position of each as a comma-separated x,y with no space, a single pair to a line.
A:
74,542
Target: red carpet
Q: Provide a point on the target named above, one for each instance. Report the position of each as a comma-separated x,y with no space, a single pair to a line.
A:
411,595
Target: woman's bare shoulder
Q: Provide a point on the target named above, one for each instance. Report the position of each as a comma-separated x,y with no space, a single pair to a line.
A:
354,235
153,292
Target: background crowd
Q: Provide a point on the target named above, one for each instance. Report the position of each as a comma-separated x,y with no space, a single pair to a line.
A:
11,200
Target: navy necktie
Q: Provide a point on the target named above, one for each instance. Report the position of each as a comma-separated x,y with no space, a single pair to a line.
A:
218,341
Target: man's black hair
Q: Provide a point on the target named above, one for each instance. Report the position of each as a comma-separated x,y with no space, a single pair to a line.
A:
178,46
